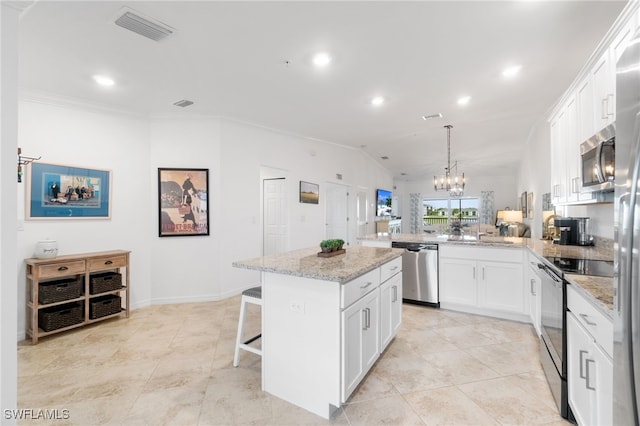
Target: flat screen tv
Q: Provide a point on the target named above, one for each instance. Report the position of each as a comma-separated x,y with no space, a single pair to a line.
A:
383,202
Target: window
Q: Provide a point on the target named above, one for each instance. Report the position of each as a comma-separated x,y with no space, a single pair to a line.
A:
437,211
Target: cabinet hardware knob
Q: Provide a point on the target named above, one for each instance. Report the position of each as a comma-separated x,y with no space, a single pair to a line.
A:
108,262
62,268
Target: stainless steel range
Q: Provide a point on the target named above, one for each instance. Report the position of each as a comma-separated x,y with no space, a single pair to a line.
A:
553,348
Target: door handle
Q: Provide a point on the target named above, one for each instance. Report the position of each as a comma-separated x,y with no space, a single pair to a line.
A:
366,285
533,287
474,272
582,375
585,317
395,293
589,375
368,318
604,108
483,273
364,321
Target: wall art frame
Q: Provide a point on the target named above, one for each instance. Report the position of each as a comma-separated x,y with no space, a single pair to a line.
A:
523,204
59,191
530,205
309,192
183,202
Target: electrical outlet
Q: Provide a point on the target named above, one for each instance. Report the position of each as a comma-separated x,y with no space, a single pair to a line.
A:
296,306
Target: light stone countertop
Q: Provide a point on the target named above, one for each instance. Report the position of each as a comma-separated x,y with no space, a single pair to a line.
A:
599,290
306,263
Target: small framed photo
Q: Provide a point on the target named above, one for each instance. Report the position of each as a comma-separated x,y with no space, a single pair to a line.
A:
309,192
523,204
183,202
530,205
57,191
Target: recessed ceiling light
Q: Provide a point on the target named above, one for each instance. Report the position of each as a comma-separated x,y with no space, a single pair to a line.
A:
321,59
377,101
103,80
512,71
464,100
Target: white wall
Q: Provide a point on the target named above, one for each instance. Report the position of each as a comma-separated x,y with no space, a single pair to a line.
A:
246,151
77,135
504,188
185,269
535,172
8,257
181,269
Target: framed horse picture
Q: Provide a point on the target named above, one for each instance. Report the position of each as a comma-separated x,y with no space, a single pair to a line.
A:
183,202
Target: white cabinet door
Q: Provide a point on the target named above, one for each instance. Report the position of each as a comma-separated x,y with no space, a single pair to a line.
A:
585,125
360,340
590,376
500,286
533,293
390,309
352,323
557,161
371,330
579,345
603,366
458,281
603,91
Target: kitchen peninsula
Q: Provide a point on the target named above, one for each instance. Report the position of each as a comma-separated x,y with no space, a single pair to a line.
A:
325,321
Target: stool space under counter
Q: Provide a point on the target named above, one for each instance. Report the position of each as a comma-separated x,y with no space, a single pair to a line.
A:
325,321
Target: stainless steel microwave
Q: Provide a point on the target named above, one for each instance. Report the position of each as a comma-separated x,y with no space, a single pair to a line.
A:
598,160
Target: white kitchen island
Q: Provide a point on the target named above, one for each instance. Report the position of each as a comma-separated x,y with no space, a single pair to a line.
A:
325,321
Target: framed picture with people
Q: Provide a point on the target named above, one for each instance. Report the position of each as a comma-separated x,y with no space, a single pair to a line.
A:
58,191
183,202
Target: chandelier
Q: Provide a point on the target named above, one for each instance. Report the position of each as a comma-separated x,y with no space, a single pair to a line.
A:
452,183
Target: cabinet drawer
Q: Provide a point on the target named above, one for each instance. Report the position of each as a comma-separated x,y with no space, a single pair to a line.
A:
62,269
597,324
389,269
355,289
100,264
512,254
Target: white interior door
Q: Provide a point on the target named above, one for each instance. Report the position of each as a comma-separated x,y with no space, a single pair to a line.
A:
361,213
276,225
337,212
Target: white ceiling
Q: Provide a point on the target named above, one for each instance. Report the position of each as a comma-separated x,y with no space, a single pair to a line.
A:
230,59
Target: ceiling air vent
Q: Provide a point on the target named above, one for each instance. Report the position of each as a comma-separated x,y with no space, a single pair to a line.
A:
183,103
150,28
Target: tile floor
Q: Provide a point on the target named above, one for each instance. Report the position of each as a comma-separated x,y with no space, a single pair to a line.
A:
172,365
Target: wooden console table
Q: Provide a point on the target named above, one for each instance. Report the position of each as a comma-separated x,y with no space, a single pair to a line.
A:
82,307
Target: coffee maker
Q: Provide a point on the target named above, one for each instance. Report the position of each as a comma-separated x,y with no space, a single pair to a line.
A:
574,231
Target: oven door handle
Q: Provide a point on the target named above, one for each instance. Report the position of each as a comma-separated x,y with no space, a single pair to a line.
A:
551,275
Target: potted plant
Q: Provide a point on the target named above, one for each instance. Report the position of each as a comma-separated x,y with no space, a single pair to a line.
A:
338,244
326,246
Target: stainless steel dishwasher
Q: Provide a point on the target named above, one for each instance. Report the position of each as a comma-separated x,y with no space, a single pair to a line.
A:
419,273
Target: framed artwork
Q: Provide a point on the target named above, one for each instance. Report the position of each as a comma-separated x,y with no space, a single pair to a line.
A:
523,204
56,191
530,205
183,202
309,192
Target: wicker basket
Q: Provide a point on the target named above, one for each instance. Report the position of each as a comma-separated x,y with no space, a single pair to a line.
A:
59,290
106,281
104,305
60,316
